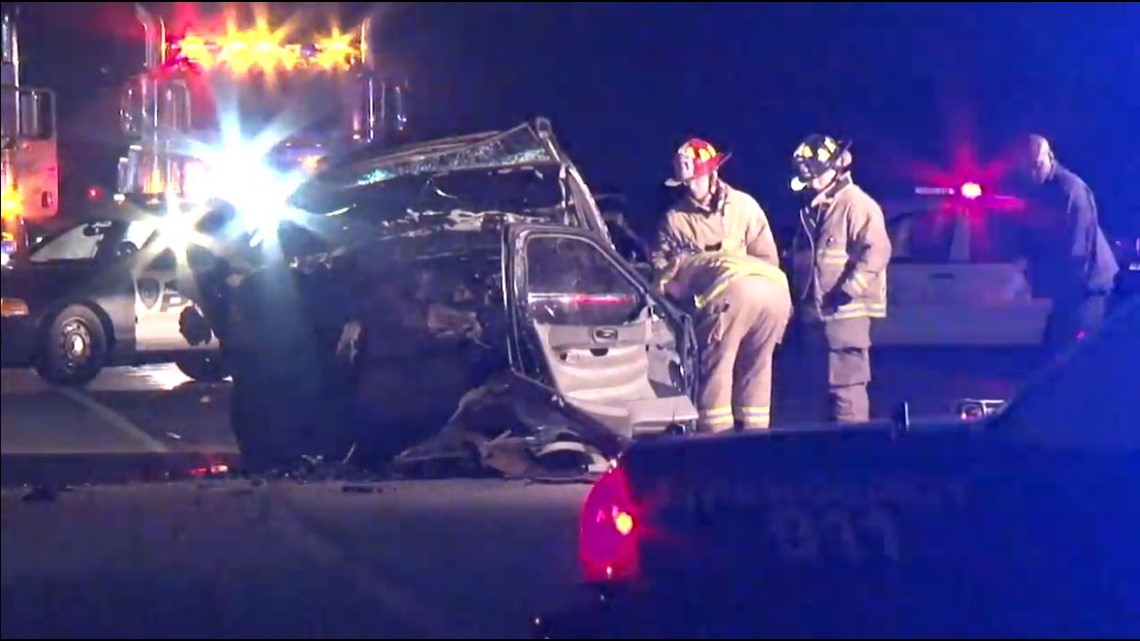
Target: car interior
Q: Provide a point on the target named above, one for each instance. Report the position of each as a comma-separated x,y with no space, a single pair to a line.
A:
607,347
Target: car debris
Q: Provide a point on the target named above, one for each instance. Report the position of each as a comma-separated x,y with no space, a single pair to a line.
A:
458,309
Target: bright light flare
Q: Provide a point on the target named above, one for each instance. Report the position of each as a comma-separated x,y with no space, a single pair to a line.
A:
970,191
312,162
237,171
266,49
11,203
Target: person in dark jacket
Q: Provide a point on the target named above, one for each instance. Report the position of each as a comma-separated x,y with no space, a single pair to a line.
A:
1073,263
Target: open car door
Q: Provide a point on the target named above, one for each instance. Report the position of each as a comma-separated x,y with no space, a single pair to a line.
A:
589,327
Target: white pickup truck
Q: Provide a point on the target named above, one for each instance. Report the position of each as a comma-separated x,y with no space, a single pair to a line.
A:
956,278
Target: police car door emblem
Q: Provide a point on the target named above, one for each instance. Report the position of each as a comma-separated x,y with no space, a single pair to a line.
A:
149,291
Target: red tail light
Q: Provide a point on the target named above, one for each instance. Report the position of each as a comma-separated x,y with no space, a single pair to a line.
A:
609,531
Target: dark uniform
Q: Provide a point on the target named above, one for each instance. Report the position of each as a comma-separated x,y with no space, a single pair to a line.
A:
1073,263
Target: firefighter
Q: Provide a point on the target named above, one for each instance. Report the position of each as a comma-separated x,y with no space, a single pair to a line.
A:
1073,263
715,252
846,286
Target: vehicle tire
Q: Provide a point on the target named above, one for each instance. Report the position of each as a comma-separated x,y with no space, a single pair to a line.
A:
73,347
204,368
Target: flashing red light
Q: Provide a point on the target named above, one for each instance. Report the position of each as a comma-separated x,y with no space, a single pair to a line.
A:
210,470
970,191
94,193
608,531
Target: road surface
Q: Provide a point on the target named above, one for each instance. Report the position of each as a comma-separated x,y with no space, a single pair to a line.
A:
145,409
217,559
239,558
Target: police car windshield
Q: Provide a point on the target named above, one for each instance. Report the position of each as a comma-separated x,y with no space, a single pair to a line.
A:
1087,399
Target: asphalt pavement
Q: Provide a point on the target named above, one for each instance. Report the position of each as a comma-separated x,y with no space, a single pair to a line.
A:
252,558
125,410
235,559
246,558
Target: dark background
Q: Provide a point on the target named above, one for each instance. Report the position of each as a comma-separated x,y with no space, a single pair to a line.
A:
930,92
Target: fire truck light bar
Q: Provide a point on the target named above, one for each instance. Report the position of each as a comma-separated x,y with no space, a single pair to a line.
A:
264,49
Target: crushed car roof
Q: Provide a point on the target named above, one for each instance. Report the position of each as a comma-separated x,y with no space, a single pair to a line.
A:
528,144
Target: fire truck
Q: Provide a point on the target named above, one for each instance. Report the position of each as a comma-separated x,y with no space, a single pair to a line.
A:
268,97
216,113
29,170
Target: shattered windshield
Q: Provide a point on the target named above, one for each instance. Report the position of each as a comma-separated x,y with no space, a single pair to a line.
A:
520,146
470,184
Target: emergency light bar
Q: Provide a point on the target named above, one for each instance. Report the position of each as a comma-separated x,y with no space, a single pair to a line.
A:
969,191
263,49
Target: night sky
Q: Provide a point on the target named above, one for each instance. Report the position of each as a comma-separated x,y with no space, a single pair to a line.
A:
928,92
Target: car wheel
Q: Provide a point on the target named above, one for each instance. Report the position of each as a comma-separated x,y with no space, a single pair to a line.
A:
73,349
204,368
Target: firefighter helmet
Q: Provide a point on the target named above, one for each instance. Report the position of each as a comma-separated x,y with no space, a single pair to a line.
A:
695,159
817,155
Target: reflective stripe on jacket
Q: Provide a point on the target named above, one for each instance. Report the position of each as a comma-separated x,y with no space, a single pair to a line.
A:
851,251
702,277
734,224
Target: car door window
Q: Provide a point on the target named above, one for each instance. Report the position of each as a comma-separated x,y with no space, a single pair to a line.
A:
570,281
135,236
81,242
998,237
921,237
603,341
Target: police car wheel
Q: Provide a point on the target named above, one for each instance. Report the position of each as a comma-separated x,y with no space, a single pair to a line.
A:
73,349
204,368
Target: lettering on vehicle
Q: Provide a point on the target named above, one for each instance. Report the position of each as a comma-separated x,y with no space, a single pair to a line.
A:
171,298
160,296
825,520
850,535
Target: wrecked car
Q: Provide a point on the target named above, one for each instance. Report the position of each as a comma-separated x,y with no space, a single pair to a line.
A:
454,305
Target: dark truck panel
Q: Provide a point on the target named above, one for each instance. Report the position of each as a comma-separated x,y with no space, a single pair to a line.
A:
947,533
1020,525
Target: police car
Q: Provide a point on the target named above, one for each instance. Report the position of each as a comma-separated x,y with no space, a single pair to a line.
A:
101,292
1007,526
958,276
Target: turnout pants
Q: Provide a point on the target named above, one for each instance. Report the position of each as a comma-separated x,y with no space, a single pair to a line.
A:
738,333
842,349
